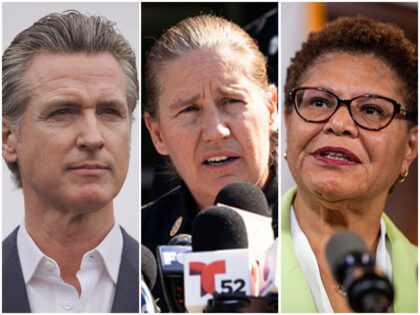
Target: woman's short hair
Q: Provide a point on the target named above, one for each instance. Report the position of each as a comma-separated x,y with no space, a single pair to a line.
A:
69,32
359,35
200,33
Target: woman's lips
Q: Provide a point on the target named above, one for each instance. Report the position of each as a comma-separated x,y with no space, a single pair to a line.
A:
219,160
336,156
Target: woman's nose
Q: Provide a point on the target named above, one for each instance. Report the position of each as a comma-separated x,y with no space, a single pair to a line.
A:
214,125
341,123
90,137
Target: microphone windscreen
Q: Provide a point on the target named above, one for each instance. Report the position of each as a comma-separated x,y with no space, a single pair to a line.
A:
245,196
275,220
181,240
341,244
148,267
218,228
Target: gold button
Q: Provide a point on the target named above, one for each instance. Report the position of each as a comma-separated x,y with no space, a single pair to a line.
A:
175,227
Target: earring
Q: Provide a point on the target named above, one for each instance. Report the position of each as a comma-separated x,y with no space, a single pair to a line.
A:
402,177
285,155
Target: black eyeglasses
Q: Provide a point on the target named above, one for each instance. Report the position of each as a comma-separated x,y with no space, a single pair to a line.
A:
370,112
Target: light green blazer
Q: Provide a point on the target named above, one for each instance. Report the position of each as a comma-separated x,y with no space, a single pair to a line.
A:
296,296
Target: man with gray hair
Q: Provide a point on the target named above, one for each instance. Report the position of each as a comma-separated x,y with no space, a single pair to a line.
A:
69,90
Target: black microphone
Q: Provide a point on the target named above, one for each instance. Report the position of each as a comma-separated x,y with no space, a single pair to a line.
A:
218,228
148,267
245,196
171,271
251,204
148,279
353,267
217,233
275,219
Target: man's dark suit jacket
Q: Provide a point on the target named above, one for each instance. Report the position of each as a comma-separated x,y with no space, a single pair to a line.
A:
126,298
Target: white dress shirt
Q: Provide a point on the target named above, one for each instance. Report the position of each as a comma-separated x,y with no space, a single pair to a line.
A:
309,264
98,274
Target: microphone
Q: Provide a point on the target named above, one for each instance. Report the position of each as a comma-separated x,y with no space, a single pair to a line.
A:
270,271
220,260
243,195
218,228
275,220
250,203
255,209
353,266
180,240
148,267
171,269
148,279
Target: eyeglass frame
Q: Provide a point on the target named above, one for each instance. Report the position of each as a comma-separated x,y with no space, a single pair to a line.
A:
398,109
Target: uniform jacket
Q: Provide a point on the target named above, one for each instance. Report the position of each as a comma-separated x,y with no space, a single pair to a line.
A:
296,296
126,298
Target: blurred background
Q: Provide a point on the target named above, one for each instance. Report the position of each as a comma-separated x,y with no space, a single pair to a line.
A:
297,21
260,20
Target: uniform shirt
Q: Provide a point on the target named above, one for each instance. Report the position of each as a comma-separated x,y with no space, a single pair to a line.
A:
309,265
98,275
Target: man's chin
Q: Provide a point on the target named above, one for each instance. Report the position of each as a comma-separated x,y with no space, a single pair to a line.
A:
93,199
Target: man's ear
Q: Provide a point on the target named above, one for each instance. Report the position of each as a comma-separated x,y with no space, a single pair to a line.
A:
272,108
153,126
9,141
412,148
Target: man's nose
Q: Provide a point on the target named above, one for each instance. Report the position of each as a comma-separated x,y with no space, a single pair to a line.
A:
214,125
90,137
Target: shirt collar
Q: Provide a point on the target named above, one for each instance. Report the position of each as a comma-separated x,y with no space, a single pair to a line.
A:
29,254
110,250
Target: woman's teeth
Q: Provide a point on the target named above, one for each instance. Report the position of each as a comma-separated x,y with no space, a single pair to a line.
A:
218,159
336,156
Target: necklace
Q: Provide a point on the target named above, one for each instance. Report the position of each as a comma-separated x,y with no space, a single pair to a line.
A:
340,289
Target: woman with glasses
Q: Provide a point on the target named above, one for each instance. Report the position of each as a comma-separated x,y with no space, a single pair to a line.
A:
351,120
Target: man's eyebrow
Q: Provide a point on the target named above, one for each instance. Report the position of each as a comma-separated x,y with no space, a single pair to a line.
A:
182,102
117,104
113,103
62,103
